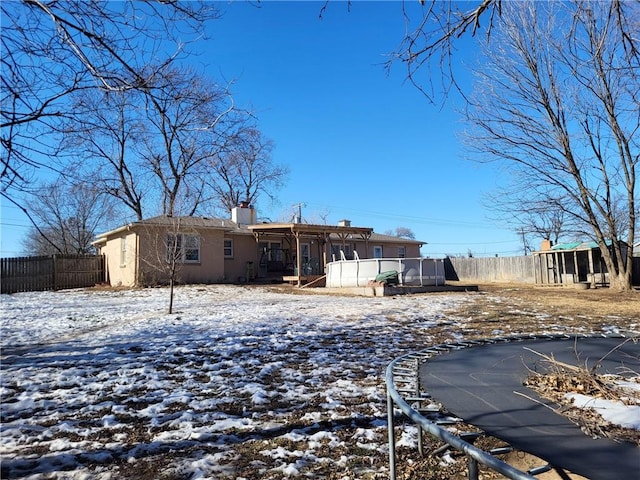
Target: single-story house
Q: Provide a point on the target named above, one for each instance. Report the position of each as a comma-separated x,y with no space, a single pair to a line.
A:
216,250
570,263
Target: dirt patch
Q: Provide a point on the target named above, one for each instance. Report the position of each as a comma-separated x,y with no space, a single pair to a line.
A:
595,301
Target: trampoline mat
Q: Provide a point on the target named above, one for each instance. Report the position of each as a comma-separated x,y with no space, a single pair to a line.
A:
483,386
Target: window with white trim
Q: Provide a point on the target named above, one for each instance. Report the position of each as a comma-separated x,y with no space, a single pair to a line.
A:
228,248
123,252
183,248
402,252
377,251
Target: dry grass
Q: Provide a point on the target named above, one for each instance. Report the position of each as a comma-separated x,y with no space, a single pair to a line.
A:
524,309
557,379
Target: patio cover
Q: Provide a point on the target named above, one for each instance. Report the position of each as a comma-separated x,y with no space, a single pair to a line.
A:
320,233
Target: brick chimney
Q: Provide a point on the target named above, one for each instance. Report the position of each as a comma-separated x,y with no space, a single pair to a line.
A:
243,214
546,245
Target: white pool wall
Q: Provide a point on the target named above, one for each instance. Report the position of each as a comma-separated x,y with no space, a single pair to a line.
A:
411,271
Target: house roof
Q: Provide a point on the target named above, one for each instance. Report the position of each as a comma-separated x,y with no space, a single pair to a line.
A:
333,231
193,222
379,237
302,229
578,245
308,229
176,222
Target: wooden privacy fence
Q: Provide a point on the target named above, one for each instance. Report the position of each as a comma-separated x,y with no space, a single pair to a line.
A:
503,269
490,269
55,272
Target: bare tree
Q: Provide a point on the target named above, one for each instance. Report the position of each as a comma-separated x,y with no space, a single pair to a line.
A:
187,121
557,101
245,169
104,137
67,217
52,49
433,31
170,243
403,232
530,213
149,158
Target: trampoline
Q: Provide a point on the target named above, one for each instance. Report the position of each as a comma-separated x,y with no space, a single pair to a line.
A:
482,384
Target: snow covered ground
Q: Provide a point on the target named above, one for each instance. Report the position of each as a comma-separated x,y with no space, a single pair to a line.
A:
240,382
95,381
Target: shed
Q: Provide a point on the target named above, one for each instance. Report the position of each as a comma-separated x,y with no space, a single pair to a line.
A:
571,263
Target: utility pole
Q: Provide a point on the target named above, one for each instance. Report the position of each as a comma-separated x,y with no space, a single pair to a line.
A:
298,218
524,241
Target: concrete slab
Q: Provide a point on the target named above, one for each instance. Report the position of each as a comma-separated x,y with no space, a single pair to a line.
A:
392,290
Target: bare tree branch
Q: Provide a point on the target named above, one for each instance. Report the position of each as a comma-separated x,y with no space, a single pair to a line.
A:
52,49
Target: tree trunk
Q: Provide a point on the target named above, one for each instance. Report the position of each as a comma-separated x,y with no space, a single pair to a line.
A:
621,281
171,285
619,267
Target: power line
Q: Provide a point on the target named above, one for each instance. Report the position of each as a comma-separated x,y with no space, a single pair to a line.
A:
474,243
2,224
411,218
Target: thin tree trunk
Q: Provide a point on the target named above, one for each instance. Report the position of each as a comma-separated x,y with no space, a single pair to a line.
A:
171,285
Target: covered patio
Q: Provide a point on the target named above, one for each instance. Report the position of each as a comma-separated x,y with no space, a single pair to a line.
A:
320,239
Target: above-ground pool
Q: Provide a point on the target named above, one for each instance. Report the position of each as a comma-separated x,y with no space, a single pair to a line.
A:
411,271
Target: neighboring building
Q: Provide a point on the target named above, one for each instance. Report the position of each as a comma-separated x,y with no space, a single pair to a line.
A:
215,250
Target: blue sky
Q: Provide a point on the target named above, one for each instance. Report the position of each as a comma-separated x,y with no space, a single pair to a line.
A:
360,144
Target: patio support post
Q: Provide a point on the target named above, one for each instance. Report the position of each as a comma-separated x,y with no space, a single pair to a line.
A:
298,259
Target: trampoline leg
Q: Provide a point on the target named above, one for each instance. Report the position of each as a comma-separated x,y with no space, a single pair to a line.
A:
392,440
562,473
473,468
417,370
